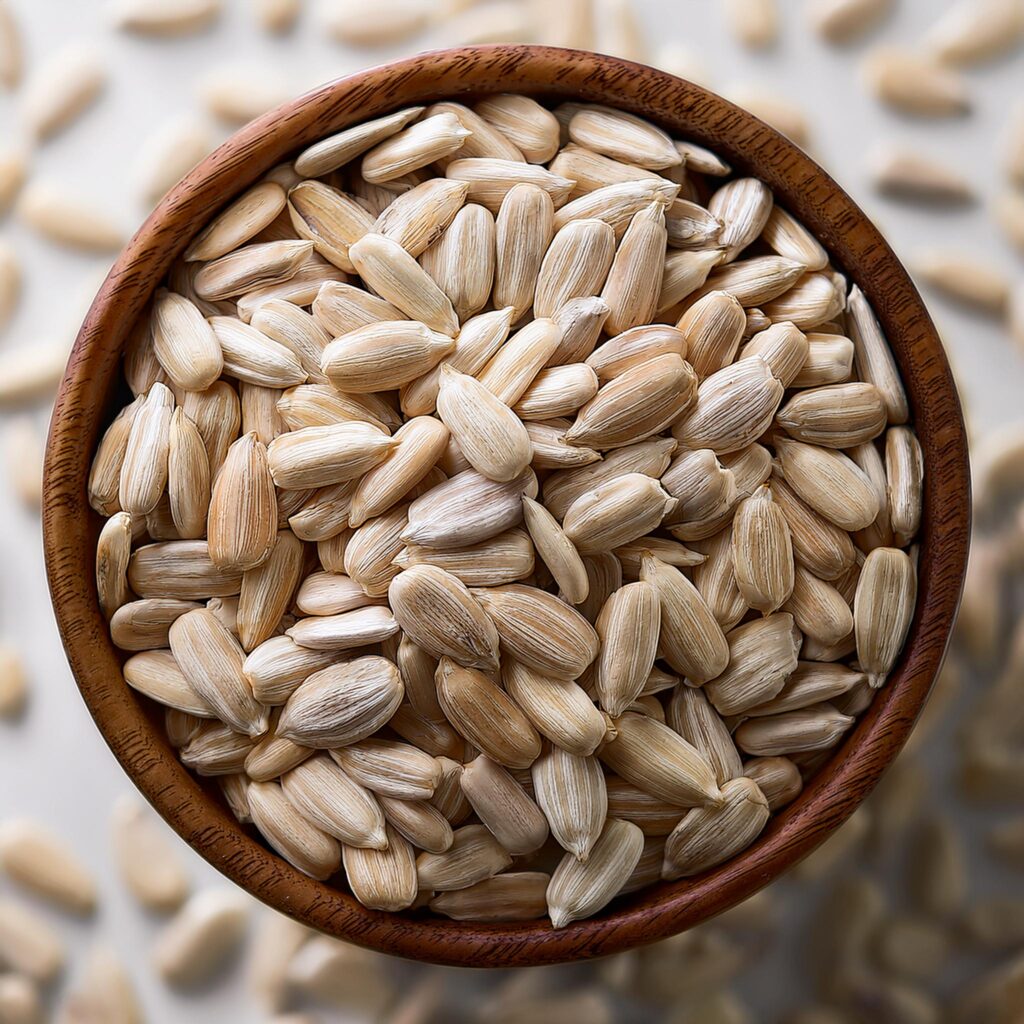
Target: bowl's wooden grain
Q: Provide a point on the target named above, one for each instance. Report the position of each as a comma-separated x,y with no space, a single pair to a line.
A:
133,727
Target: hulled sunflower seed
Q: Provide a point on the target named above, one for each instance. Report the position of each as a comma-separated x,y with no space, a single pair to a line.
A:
557,550
633,283
414,147
904,471
383,879
617,512
301,843
113,554
622,136
490,180
330,153
473,856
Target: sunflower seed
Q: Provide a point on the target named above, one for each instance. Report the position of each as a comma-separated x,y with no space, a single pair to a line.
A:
571,791
915,84
201,937
33,857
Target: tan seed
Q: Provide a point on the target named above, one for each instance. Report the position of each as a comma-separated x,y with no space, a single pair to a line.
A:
914,83
883,608
383,879
572,793
762,552
201,936
144,470
113,552
473,856
36,859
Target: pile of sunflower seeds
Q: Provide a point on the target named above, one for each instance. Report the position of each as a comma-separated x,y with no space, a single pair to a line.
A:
513,511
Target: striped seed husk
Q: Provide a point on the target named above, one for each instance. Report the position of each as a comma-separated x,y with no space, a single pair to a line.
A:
545,634
621,136
143,625
691,714
784,234
656,759
783,346
357,628
762,552
578,890
245,218
485,141
144,469
617,204
882,610
113,554
811,683
872,357
181,569
557,391
503,806
370,551
817,727
272,756
628,626
707,836
752,282
743,206
211,658
417,218
617,512
638,403
383,879
437,612
715,579
320,405
691,640
340,308
390,768
416,146
157,675
490,180
254,358
572,793
259,412
533,129
814,300
524,229
317,456
448,797
762,656
557,550
512,896
879,533
581,322
334,151
778,778
904,472
818,608
486,716
105,472
819,545
462,260
297,330
684,273
321,514
703,487
836,415
242,520
671,552
267,590
591,170
217,414
251,266
342,703
330,219
216,749
713,327
184,343
829,361
575,265
419,822
506,558
651,815
473,856
511,371
559,709
634,346
633,283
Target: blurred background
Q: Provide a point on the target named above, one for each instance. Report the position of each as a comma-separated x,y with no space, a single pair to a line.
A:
913,911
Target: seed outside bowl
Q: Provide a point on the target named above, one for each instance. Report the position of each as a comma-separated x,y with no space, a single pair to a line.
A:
89,394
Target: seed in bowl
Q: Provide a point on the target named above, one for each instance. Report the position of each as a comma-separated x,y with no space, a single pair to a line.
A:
503,486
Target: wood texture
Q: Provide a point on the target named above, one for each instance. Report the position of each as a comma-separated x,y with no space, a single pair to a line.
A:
91,390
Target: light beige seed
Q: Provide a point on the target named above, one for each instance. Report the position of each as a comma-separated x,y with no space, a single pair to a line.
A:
784,347
217,414
824,548
704,488
578,890
819,609
188,477
439,614
11,61
811,683
691,715
818,727
628,626
383,879
669,551
873,358
964,278
505,558
883,608
754,281
357,628
323,513
301,287
690,226
167,154
201,937
210,659
906,173
13,166
633,282
65,217
712,327
572,793
277,667
419,822
617,512
830,482
557,391
371,550
904,471
559,709
715,579
552,451
815,299
557,550
473,856
684,273
13,683
652,816
973,33
540,631
462,260
33,857
785,235
734,406
251,266
103,992
491,436
330,219
840,21
267,590
503,807
144,470
656,759
242,522
829,361
490,180
690,638
254,358
707,836
259,412
215,749
762,656
754,23
762,552
580,322
622,136
422,143
387,268
512,896
484,139
245,218
417,669
113,552
320,405
10,283
523,233
575,265
335,803
180,569
512,369
327,593
331,153
641,401
342,308
524,122
390,768
157,675
778,778
635,346
105,473
743,207
61,88
617,204
147,861
28,945
292,327
915,83
342,703
318,456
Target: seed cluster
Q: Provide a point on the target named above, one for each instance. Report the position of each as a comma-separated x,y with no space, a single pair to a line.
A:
514,508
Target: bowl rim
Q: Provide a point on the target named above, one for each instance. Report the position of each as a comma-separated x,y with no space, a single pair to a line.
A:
82,406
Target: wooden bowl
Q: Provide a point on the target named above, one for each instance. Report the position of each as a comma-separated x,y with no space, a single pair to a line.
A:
132,726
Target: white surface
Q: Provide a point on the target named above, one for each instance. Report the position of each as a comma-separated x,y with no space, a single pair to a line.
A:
53,764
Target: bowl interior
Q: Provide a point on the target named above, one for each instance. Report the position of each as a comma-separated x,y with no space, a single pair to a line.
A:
91,391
